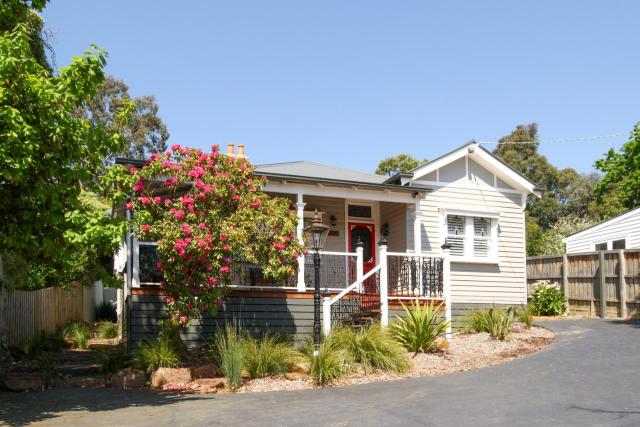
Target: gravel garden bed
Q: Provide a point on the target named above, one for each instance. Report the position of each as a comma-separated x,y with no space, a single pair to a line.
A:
465,352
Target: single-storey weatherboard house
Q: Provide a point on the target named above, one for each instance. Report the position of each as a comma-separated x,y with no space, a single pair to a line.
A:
385,246
620,232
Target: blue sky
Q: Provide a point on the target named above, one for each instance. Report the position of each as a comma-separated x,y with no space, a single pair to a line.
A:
350,82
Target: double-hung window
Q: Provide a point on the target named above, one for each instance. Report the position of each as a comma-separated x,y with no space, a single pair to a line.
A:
472,237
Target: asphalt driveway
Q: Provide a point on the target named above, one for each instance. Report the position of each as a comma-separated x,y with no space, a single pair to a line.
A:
589,377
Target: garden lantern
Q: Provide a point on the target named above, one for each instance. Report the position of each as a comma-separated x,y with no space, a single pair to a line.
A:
316,234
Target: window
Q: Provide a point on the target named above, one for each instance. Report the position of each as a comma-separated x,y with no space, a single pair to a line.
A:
359,211
601,246
147,260
619,244
610,245
472,236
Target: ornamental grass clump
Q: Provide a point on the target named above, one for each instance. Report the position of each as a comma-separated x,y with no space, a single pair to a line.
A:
78,333
495,321
525,314
547,299
228,347
159,353
107,330
373,348
268,356
421,325
331,363
111,360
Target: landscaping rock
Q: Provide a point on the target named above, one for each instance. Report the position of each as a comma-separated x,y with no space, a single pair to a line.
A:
296,376
170,376
129,378
442,345
217,383
22,381
205,371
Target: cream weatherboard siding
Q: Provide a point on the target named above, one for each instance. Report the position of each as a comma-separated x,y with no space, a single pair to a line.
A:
500,283
626,226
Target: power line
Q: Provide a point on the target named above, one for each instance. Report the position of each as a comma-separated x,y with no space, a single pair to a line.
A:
555,141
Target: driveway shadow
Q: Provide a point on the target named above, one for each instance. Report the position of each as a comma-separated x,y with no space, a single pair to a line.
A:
17,409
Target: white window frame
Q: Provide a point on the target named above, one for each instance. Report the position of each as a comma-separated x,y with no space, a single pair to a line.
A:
135,279
609,241
469,235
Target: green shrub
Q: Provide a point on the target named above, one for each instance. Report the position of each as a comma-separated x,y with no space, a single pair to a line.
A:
268,356
525,314
78,333
372,347
159,353
420,327
112,359
331,363
547,299
496,321
107,330
170,332
47,364
228,347
106,312
43,342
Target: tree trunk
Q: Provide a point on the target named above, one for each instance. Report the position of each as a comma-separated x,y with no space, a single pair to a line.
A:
5,355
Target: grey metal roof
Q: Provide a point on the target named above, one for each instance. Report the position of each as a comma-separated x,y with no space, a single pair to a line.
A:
306,169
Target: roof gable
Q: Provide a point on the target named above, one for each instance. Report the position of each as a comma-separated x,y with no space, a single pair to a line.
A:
483,158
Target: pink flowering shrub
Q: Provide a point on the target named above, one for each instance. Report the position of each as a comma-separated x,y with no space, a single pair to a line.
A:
206,210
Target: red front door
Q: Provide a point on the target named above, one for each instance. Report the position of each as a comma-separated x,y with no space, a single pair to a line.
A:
365,233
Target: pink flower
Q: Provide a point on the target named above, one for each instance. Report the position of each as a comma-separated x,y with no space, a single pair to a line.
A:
212,280
170,181
279,245
224,269
226,248
139,186
209,267
144,200
145,228
176,147
169,300
235,197
223,238
129,206
186,229
156,199
159,265
295,255
232,187
202,226
184,320
179,214
255,203
167,202
133,170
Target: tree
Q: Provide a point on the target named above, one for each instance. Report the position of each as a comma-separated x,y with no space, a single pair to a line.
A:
210,213
551,241
401,163
620,185
145,134
565,191
46,152
14,12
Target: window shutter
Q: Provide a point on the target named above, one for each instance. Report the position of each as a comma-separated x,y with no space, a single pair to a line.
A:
455,234
481,236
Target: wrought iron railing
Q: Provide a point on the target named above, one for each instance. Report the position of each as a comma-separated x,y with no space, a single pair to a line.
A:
412,275
358,307
337,270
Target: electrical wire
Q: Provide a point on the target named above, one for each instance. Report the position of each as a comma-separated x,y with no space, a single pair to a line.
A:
556,141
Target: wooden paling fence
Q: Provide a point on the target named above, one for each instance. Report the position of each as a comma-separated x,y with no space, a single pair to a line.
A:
29,312
586,277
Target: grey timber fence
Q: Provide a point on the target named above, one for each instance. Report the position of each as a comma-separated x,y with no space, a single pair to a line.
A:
597,284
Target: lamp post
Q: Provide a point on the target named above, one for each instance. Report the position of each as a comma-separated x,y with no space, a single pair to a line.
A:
316,235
